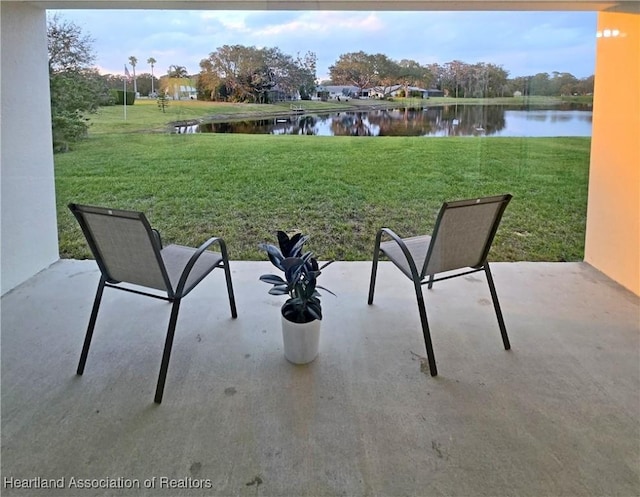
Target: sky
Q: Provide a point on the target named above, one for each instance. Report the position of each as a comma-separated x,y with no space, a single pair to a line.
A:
522,43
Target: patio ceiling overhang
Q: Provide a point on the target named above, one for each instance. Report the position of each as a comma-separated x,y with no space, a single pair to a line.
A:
395,5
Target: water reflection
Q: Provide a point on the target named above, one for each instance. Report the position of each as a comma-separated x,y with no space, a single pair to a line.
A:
452,120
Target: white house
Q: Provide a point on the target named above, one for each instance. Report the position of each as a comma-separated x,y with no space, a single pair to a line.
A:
335,92
398,90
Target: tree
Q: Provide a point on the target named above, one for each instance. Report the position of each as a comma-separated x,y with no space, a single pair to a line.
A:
292,77
133,61
585,85
250,74
151,61
497,80
69,49
454,78
564,84
112,81
210,85
519,84
178,72
232,65
176,77
146,83
356,68
437,75
386,74
540,84
163,101
411,73
305,74
76,88
260,82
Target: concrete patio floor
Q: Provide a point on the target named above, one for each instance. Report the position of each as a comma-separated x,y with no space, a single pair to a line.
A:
558,415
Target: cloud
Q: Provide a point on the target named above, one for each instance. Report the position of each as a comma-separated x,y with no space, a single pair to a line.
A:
523,43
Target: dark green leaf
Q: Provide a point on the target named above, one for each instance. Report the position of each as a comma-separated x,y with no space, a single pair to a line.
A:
326,290
274,279
279,290
315,311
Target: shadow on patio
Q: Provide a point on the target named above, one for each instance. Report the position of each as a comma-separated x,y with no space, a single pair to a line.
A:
556,415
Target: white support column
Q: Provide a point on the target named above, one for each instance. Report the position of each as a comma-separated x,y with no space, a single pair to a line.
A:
29,235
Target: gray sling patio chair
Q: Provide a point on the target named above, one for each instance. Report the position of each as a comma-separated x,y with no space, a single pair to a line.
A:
128,251
461,240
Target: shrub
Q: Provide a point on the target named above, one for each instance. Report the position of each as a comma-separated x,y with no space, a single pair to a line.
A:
119,97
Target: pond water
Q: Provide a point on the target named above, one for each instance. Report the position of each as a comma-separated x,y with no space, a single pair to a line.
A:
451,120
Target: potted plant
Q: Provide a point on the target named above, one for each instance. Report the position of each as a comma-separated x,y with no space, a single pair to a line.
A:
302,312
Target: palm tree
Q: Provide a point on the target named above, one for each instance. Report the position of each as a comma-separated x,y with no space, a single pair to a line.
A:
177,72
133,61
176,76
151,61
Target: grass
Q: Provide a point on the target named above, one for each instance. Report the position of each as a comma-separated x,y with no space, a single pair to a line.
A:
145,116
339,190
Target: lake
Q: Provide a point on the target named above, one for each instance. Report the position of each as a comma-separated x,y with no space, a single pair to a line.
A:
451,120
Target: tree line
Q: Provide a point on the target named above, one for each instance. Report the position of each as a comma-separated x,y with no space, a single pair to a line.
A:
455,79
237,73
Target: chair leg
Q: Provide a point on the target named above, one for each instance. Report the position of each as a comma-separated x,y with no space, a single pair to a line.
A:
430,285
92,325
496,306
232,300
167,351
425,330
374,271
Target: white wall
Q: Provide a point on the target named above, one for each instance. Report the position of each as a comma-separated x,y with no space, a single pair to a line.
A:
28,227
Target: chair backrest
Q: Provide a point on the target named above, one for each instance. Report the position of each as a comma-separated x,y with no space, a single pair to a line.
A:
463,234
123,245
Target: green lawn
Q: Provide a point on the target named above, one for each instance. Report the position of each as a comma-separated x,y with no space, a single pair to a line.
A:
339,190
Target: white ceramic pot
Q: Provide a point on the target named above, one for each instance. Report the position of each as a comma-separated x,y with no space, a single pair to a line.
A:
301,340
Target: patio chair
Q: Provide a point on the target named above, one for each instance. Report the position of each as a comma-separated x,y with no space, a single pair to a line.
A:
130,256
461,240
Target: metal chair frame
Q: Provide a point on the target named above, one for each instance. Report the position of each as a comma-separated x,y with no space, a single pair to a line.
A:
421,277
174,296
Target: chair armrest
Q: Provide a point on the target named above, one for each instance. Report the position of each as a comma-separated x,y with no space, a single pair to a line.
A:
389,232
157,237
194,258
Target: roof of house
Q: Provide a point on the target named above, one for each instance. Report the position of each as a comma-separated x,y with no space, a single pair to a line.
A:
391,89
337,88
